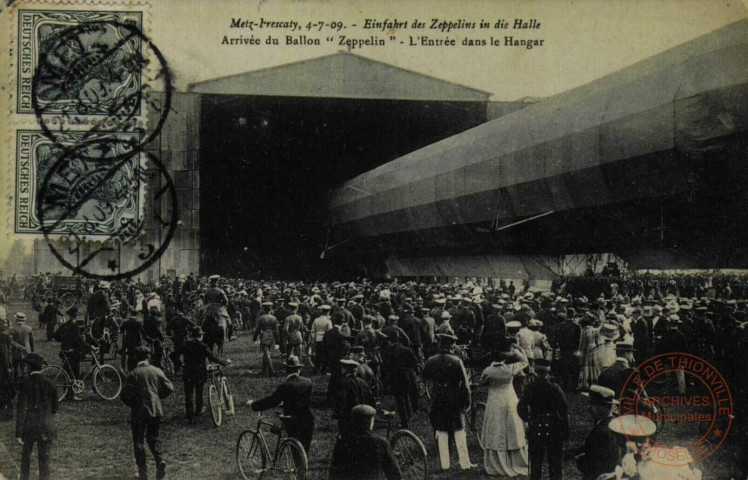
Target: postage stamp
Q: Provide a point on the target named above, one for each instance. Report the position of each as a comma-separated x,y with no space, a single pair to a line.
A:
77,193
86,70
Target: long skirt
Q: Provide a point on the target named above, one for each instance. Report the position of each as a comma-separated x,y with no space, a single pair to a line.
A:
508,463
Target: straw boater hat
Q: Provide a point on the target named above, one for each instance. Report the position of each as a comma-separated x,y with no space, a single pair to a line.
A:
633,426
609,331
599,395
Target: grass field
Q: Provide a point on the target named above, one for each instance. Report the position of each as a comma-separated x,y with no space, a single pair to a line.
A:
95,443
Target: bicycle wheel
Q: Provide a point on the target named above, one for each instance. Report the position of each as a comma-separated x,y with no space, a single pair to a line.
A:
60,379
167,364
107,382
250,456
228,398
68,300
291,462
423,388
474,422
214,399
410,454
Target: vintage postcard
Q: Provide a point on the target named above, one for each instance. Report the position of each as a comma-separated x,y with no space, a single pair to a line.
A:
346,239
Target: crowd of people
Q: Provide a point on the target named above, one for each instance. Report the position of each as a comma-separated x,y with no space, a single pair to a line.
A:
529,349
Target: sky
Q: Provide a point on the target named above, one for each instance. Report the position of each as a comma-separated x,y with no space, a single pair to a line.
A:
583,40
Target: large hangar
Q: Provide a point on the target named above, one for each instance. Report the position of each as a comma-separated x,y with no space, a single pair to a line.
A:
274,142
648,162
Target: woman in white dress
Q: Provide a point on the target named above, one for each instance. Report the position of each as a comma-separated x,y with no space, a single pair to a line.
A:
503,433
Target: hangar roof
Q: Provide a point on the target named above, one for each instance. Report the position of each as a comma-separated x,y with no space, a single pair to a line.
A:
340,75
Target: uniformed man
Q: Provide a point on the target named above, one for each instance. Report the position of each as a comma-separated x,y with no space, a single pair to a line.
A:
294,330
543,407
450,398
267,330
281,313
351,391
362,455
295,394
215,294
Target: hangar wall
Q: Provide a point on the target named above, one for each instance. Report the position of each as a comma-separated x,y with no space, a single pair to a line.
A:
177,147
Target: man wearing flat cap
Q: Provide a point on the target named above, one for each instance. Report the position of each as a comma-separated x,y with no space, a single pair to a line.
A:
295,394
361,454
143,391
543,407
37,403
450,398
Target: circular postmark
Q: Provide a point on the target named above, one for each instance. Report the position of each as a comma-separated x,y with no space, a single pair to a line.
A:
101,77
125,199
693,405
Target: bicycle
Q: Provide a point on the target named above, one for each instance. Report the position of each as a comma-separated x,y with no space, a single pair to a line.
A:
252,452
474,417
219,395
167,363
408,448
107,382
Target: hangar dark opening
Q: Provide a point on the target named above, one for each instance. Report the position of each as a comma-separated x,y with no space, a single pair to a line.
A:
267,163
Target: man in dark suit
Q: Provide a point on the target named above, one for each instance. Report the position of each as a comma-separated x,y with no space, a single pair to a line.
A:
132,337
615,376
602,450
37,402
144,388
362,455
351,391
195,373
335,345
22,334
412,327
400,369
495,325
543,407
568,334
295,394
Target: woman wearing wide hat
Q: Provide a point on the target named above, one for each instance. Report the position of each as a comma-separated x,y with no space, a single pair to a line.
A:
503,433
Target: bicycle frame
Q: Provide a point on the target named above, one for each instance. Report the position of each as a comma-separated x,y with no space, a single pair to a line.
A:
276,429
94,365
